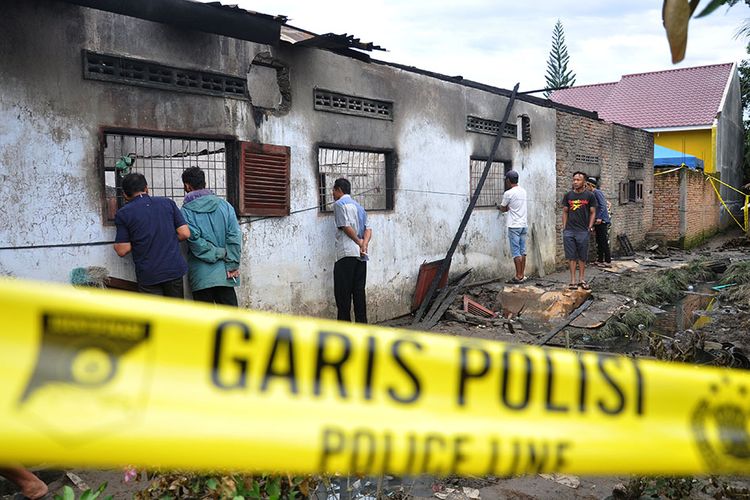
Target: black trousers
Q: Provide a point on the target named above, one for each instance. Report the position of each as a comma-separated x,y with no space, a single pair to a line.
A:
602,243
171,288
217,295
349,278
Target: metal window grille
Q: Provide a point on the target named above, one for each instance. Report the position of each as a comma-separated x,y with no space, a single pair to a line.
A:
631,191
142,73
494,185
525,135
635,191
489,127
162,160
591,159
635,164
352,105
368,172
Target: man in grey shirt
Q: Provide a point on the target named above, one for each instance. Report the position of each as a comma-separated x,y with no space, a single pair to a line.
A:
352,239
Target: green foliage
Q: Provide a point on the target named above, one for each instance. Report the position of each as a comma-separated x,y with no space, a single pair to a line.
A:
89,494
177,485
625,323
667,286
558,74
744,73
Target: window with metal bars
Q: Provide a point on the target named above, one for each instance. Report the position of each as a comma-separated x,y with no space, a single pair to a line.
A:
264,179
371,174
120,69
335,102
631,191
494,185
489,127
161,160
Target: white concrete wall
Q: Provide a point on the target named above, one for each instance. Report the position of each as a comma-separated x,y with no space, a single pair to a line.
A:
52,188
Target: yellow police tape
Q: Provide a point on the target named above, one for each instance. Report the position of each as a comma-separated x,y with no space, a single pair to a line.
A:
101,378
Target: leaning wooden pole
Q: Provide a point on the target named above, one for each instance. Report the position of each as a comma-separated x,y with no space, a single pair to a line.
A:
448,256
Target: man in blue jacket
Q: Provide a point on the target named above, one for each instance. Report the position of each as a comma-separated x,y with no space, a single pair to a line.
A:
215,243
601,226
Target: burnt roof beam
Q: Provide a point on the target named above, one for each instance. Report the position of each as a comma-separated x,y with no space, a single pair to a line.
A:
208,18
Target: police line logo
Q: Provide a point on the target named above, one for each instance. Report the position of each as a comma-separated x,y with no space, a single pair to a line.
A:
87,363
720,425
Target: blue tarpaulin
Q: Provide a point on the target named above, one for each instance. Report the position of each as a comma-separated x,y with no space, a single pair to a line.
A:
665,157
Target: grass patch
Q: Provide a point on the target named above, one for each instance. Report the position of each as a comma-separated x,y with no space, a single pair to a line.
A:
739,273
625,323
669,285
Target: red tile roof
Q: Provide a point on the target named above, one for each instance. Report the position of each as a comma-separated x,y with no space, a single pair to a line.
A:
674,98
588,97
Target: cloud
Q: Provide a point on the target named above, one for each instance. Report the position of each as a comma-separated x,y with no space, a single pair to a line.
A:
507,43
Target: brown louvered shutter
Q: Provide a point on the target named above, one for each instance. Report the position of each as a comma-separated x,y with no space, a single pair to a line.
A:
264,179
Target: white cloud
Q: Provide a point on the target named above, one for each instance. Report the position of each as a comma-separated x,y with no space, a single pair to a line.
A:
500,44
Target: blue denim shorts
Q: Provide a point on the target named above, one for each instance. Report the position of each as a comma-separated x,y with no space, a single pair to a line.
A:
517,238
576,244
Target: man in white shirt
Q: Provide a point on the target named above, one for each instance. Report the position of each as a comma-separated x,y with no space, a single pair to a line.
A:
352,239
514,204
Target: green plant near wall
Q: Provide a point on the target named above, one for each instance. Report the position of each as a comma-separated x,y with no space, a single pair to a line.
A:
89,494
176,485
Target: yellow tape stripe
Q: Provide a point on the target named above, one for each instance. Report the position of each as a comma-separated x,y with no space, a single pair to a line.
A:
99,378
712,179
725,205
669,171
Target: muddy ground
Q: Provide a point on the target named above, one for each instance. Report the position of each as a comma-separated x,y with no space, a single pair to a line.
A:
724,327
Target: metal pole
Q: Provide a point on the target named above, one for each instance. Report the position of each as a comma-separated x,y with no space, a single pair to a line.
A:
448,256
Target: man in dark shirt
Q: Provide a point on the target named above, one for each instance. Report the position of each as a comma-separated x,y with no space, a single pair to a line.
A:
151,228
601,225
579,211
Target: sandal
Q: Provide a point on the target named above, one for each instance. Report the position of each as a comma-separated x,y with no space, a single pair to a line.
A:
514,281
584,285
572,286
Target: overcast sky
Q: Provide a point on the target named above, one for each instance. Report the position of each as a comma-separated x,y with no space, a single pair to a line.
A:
501,43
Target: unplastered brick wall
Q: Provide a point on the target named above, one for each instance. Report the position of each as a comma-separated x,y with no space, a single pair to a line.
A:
667,205
702,209
685,195
604,150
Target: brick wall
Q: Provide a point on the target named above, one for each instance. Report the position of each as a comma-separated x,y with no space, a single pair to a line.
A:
666,205
702,209
685,194
603,150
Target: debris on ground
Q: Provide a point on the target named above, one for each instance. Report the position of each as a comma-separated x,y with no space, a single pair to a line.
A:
564,479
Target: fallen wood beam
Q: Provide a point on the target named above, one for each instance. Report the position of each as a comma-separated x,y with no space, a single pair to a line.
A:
442,303
567,321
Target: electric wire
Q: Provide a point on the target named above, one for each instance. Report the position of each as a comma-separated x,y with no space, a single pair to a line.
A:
259,219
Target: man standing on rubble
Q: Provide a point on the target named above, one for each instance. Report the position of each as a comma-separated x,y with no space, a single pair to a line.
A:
352,239
215,243
151,229
579,212
514,204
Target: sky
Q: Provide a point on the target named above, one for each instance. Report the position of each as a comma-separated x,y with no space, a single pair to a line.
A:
500,42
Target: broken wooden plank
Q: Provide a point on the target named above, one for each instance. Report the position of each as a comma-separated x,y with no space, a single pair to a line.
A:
440,306
565,323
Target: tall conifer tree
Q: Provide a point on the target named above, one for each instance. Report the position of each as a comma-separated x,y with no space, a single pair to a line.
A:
558,74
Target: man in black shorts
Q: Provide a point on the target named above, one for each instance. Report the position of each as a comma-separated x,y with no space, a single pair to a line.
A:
579,213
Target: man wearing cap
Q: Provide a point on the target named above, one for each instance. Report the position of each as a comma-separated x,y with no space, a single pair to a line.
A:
514,204
601,225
